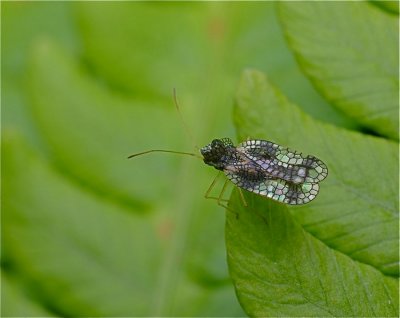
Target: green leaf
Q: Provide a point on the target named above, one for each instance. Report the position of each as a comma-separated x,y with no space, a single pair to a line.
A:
217,42
388,6
356,211
281,270
23,24
59,237
350,52
16,303
128,39
87,256
91,131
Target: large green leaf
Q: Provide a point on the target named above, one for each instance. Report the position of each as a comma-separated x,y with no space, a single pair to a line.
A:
389,6
83,255
281,270
59,237
204,57
22,23
135,54
356,211
90,131
14,303
350,52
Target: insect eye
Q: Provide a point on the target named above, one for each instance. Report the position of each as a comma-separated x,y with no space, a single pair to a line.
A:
216,143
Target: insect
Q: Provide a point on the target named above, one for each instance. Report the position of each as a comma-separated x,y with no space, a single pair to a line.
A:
267,169
262,167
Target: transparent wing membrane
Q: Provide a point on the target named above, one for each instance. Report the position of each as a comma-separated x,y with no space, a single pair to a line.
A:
276,189
284,163
276,172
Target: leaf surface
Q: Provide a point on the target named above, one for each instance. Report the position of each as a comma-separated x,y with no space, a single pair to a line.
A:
356,211
389,6
91,131
69,234
16,302
204,58
350,52
84,254
281,270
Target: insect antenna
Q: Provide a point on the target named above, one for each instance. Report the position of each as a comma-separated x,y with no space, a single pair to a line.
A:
162,150
172,151
185,126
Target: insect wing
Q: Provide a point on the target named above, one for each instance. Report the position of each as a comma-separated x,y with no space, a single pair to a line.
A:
255,180
284,163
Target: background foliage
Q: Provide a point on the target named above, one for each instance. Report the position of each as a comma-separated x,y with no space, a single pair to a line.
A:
86,232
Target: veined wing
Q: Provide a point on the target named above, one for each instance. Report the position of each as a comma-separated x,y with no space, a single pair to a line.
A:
256,180
283,163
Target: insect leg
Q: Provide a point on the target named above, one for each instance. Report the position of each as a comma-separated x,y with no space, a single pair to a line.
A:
220,200
222,192
207,194
242,197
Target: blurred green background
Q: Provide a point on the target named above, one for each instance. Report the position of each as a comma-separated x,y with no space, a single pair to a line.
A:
86,232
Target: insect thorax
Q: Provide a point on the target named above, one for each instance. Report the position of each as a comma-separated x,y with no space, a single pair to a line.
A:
219,153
